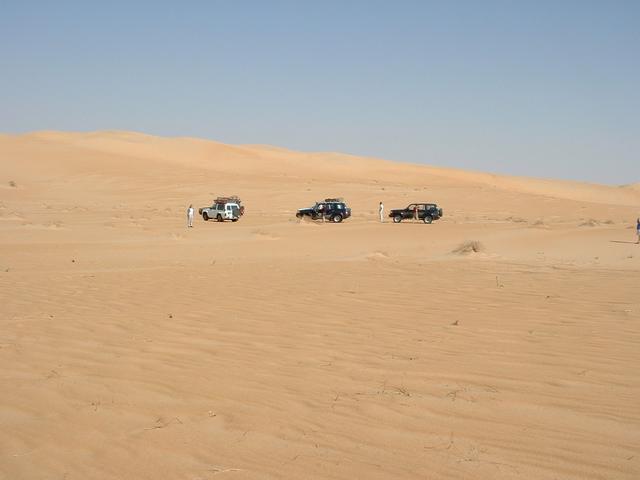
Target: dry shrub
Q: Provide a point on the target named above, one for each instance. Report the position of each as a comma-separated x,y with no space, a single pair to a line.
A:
589,223
12,184
468,247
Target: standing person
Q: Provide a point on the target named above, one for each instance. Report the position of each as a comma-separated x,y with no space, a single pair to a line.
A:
190,216
415,212
381,212
638,230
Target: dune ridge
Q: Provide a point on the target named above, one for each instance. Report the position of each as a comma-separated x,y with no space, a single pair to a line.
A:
207,154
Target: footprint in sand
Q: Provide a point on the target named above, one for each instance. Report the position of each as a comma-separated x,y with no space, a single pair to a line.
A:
12,216
377,255
264,235
43,226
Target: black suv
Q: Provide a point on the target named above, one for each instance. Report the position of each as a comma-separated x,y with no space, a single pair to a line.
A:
333,209
427,212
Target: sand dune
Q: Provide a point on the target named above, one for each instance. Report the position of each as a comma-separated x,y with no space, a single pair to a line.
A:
133,348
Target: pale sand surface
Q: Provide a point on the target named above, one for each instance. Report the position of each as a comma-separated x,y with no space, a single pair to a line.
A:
134,348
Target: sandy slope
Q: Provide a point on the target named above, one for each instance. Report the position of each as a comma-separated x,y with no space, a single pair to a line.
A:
133,348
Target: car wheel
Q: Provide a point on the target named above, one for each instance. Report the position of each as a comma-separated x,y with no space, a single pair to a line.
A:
234,220
337,218
205,217
397,219
427,219
219,218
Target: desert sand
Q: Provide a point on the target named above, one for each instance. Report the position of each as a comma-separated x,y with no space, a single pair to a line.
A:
132,347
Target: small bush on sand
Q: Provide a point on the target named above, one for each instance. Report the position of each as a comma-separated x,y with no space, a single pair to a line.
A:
468,247
589,223
13,184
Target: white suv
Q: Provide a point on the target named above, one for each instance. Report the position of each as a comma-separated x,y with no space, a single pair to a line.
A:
221,212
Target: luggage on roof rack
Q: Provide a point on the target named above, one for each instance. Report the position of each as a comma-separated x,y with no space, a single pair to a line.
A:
231,199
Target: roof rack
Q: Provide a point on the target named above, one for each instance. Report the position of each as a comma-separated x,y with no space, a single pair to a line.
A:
231,199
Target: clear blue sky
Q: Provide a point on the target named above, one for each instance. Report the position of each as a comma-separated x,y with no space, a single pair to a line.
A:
542,88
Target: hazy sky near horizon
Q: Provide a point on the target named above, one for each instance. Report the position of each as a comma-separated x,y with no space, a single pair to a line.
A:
539,88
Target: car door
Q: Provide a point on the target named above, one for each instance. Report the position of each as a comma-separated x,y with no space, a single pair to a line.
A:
408,212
